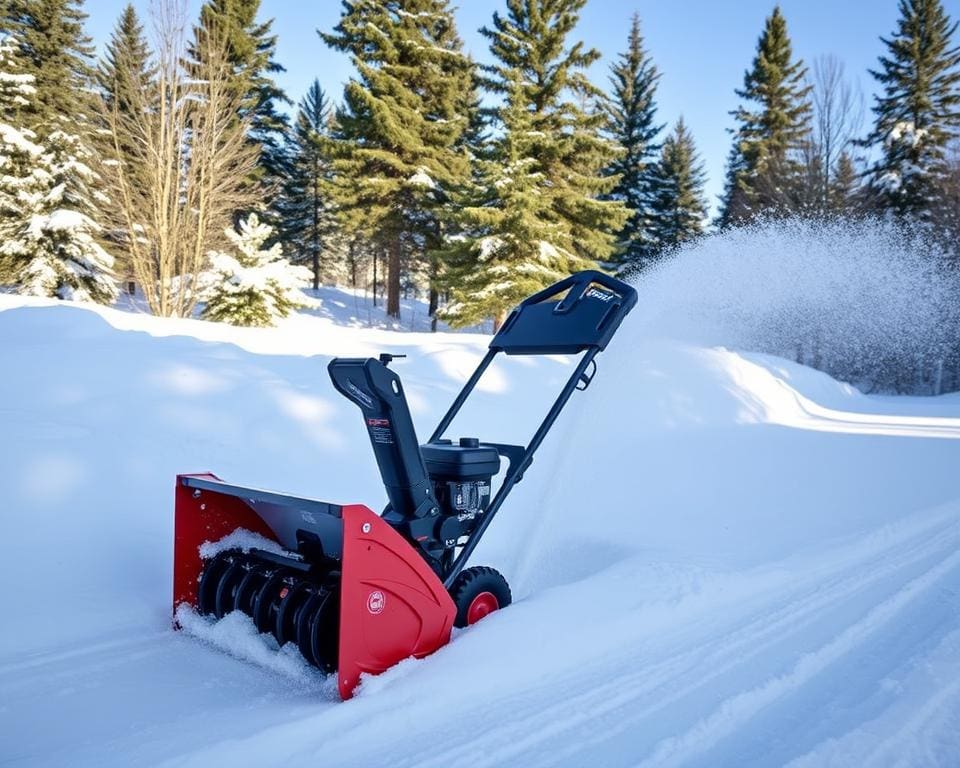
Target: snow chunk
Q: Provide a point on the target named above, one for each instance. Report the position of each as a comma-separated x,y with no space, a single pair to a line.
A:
237,635
241,539
422,178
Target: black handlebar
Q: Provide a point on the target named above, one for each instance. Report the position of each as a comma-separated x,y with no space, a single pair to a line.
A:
586,317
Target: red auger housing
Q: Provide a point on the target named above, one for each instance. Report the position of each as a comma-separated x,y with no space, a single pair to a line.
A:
356,591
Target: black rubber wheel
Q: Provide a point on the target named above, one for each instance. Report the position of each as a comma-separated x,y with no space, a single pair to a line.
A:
478,591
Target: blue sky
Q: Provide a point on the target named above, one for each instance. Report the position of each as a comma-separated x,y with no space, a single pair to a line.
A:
701,47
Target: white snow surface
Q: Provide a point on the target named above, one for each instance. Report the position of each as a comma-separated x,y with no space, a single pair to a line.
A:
717,558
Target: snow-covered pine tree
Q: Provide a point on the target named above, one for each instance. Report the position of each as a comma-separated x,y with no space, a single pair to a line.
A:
772,126
632,114
400,153
918,110
679,207
256,286
250,50
308,215
55,250
538,213
21,178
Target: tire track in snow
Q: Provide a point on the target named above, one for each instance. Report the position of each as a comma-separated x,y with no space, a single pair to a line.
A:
740,707
663,682
902,736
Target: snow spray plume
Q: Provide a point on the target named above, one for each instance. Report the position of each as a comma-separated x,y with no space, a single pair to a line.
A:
867,302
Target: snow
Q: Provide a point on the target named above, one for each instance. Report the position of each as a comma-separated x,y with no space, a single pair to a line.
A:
241,539
718,558
422,179
17,139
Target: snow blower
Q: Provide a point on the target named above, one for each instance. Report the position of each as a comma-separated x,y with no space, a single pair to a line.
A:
356,591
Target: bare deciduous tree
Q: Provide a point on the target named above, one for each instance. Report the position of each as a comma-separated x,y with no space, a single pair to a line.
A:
837,118
184,167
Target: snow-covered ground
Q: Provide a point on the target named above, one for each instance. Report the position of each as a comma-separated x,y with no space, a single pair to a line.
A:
718,558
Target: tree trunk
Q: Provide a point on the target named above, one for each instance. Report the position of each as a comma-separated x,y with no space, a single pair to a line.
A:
353,264
432,308
393,280
499,320
316,235
374,278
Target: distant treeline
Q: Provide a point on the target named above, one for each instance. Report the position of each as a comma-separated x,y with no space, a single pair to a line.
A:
477,184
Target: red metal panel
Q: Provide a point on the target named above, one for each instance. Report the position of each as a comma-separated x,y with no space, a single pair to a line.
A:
392,605
204,516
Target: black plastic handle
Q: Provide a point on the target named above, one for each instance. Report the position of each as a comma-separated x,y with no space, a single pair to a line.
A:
587,316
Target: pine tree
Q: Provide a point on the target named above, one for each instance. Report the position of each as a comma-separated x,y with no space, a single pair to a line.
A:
125,77
125,70
308,215
400,128
679,207
632,111
255,287
731,199
250,50
58,53
773,126
843,194
22,180
537,214
53,250
918,110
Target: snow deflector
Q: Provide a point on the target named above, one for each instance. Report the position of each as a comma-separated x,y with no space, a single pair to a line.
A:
337,580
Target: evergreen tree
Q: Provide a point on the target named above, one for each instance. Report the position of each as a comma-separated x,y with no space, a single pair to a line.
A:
632,113
918,110
250,50
773,126
843,193
730,198
400,130
256,286
308,215
537,213
22,179
53,250
125,71
125,77
58,54
679,207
